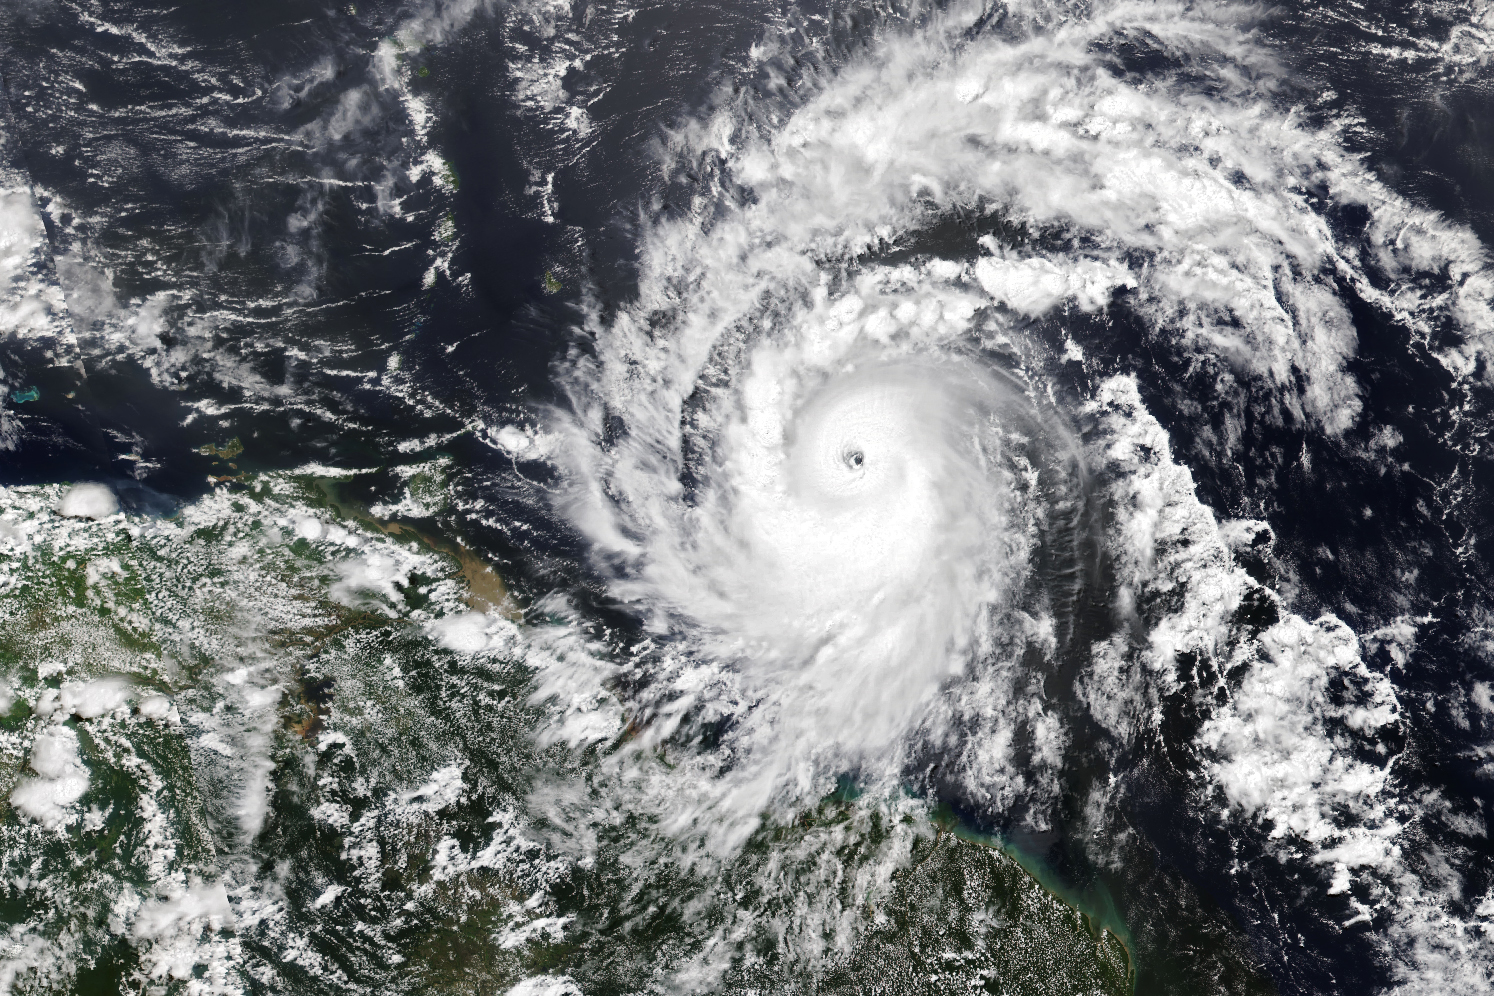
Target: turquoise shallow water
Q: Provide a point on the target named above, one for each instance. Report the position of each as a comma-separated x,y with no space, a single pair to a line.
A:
636,498
238,757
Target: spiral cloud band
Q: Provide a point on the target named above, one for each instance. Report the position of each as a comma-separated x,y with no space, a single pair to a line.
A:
845,456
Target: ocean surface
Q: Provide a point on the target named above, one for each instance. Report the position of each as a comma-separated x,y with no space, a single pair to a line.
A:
555,498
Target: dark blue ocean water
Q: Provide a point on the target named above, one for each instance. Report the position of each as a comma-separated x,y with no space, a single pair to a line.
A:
191,165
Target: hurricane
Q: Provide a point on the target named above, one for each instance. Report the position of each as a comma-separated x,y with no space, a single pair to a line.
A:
856,458
564,499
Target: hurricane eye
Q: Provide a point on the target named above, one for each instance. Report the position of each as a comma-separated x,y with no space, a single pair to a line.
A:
854,459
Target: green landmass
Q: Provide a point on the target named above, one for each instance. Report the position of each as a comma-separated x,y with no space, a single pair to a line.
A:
276,723
225,451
